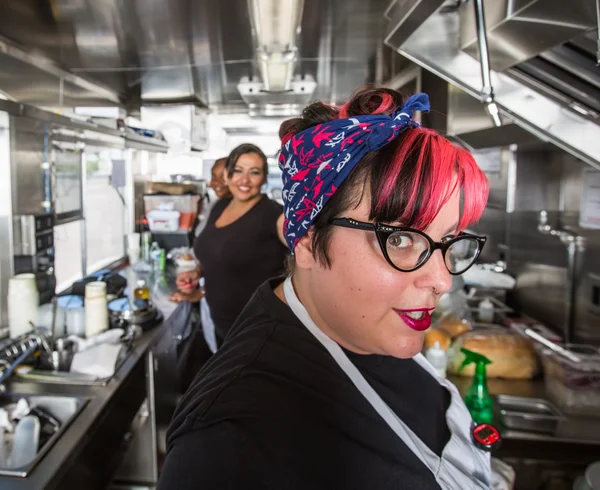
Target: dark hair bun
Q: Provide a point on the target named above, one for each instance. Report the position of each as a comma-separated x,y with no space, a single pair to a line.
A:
368,100
315,113
374,100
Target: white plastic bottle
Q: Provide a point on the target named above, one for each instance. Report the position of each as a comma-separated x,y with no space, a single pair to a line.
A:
438,358
96,308
155,257
486,311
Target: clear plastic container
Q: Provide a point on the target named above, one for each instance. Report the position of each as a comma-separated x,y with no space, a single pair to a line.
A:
183,204
163,220
574,387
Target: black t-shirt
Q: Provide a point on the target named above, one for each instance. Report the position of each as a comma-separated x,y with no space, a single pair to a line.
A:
238,258
272,410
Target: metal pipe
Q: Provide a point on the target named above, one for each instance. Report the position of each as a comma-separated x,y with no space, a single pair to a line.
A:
484,56
487,90
575,246
598,40
84,212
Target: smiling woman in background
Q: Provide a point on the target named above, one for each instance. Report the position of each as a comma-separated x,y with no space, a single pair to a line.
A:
241,245
321,384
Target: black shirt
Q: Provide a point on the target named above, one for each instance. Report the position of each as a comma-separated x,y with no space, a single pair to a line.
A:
239,257
273,410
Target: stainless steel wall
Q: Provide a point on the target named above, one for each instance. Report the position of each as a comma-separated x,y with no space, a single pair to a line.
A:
6,237
27,151
532,179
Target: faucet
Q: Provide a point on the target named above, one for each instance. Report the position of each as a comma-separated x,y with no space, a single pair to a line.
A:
8,370
22,349
575,246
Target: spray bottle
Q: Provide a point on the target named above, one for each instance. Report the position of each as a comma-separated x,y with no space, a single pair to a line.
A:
478,399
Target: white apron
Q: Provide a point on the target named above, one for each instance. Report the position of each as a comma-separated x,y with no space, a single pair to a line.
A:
208,326
462,465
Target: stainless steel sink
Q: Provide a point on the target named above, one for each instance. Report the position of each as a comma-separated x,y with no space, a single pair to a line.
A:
59,377
26,373
63,408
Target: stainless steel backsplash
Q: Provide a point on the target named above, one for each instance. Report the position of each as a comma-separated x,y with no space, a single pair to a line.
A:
532,180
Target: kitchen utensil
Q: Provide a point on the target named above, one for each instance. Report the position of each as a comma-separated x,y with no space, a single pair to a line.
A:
552,346
122,313
53,326
528,414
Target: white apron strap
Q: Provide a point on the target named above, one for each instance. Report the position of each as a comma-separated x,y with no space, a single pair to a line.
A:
422,451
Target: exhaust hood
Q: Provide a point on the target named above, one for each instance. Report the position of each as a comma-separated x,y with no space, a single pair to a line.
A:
518,30
445,45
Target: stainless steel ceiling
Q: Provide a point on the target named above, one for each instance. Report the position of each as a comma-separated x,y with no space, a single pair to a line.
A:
158,50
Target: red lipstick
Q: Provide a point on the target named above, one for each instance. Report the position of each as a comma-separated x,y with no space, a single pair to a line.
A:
414,320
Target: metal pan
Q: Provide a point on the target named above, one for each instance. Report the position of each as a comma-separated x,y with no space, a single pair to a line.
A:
528,414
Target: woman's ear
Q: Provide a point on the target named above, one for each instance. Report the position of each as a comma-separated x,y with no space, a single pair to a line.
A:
304,251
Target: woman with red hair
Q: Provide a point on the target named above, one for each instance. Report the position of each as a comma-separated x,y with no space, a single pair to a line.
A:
321,384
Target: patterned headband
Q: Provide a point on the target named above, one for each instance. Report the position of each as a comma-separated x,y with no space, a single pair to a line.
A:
316,161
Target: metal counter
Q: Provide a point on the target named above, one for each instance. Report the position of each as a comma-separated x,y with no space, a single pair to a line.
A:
110,428
90,450
575,441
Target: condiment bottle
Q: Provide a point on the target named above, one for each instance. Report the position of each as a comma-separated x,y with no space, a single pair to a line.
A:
141,295
486,311
438,358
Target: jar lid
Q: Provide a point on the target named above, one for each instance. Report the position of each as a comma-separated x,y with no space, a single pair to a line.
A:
120,304
95,289
70,301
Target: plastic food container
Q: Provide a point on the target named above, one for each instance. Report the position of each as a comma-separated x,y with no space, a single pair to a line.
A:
574,387
163,220
183,204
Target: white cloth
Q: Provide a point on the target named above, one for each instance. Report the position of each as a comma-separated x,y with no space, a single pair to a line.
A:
462,465
208,326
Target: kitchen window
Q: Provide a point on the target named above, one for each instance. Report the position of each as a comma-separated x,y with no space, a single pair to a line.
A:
67,255
104,205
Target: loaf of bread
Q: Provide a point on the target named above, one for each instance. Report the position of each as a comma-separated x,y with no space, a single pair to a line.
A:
434,335
511,355
453,325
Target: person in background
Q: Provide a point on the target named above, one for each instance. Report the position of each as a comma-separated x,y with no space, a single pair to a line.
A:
186,281
321,384
191,284
219,186
242,244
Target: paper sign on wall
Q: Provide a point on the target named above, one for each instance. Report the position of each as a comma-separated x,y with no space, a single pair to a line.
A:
589,212
489,160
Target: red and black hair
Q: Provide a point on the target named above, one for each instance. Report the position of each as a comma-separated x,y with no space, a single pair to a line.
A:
409,180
